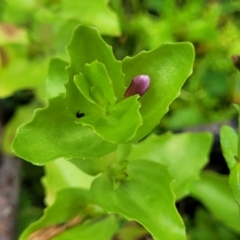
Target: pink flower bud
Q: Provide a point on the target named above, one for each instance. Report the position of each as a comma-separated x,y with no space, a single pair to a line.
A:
139,85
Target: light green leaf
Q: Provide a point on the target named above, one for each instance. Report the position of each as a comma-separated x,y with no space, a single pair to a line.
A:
95,166
86,105
145,196
185,155
97,74
120,124
234,181
214,192
62,174
98,96
229,139
95,12
57,77
21,74
53,134
168,66
86,47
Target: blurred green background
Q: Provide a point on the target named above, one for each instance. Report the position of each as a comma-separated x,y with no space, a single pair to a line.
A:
33,31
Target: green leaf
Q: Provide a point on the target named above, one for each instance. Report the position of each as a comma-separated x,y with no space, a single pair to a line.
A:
96,78
120,124
98,96
53,134
95,166
95,13
168,66
229,139
97,74
86,104
62,174
57,77
21,74
185,155
234,181
70,203
214,192
103,228
145,196
87,46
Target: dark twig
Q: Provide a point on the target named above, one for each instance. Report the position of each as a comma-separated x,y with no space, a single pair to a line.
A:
9,190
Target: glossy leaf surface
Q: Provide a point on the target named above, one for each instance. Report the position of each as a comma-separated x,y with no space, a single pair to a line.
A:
121,124
145,196
53,134
185,155
168,66
96,71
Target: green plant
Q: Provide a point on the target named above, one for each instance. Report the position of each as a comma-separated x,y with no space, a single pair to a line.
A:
107,169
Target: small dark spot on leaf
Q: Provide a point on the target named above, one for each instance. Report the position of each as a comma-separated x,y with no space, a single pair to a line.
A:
79,114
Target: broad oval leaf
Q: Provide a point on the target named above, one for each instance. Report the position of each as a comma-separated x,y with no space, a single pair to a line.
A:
184,154
145,196
53,134
168,66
